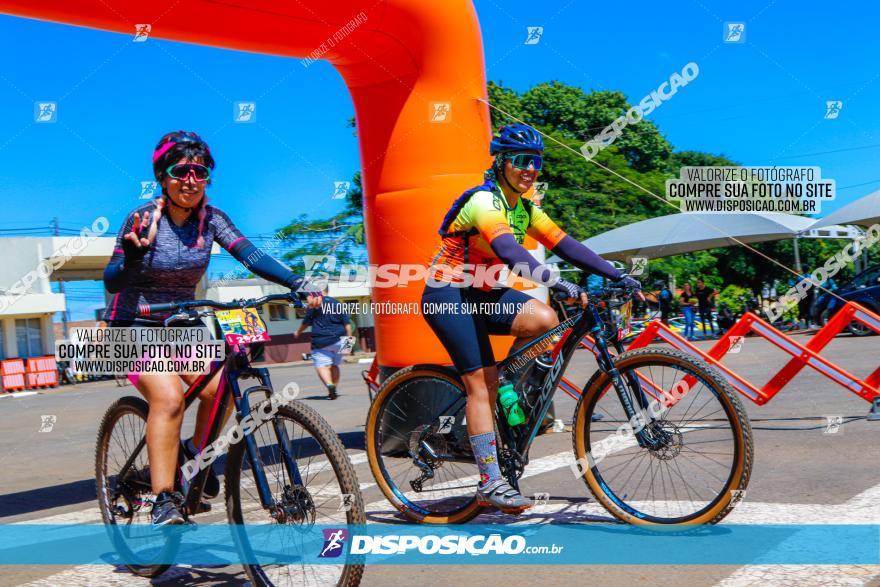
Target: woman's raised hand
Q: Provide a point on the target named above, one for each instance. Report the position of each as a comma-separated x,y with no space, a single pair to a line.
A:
136,241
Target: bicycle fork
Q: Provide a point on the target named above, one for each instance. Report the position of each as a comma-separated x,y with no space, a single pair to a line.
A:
638,417
253,451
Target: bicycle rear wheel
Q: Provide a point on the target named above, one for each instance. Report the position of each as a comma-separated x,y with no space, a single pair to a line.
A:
125,501
418,446
697,471
328,495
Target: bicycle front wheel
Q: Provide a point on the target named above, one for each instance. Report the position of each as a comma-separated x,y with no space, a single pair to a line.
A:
698,466
322,489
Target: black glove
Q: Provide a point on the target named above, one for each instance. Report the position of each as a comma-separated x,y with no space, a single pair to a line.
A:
132,251
628,282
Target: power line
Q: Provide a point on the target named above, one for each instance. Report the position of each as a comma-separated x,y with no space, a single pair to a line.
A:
829,152
858,185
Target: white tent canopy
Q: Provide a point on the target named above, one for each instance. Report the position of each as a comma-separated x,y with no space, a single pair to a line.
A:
865,211
693,231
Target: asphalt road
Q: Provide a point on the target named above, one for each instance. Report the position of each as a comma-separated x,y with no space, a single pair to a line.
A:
800,476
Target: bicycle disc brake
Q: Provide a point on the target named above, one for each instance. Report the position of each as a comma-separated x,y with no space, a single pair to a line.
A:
294,507
668,440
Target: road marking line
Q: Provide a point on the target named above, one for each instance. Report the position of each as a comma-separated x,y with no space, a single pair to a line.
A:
860,509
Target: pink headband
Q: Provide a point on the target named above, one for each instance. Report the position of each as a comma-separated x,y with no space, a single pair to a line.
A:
161,150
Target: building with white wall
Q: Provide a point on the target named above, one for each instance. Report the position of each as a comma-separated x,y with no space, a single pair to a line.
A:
27,302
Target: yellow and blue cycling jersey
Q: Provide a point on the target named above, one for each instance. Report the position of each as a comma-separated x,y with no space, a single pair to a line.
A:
478,217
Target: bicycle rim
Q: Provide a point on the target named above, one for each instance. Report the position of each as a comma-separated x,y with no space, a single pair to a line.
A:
696,474
410,418
329,495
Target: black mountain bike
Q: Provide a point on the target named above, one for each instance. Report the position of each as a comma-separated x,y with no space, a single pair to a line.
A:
291,469
659,436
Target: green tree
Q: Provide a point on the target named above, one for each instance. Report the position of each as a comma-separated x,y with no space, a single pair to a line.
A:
584,197
340,235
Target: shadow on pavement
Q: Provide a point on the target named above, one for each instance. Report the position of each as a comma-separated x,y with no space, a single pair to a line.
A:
75,492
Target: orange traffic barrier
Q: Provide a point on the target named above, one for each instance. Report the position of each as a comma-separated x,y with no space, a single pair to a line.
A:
12,375
42,372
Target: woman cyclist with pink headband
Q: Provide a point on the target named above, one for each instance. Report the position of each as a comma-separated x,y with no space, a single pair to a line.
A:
162,252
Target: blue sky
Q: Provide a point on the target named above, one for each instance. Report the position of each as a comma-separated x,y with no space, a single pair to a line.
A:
758,102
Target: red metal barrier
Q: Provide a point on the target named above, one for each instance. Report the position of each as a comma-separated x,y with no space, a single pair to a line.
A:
371,378
802,355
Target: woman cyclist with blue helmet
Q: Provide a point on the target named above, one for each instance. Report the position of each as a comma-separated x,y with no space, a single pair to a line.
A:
485,227
161,253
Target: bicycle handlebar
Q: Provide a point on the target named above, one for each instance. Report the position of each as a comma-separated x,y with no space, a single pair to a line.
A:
145,310
610,291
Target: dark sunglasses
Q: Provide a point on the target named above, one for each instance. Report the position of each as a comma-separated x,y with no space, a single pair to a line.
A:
182,171
525,160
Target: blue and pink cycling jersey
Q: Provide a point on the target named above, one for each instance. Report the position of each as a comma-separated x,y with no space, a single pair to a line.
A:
173,264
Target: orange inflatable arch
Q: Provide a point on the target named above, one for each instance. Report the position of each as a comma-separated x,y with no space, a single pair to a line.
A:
398,58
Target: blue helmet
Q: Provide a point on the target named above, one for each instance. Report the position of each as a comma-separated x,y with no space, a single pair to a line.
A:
516,137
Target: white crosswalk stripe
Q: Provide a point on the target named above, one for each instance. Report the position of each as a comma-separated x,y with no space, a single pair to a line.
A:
861,509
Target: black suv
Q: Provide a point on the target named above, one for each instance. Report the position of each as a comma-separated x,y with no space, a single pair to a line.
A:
864,289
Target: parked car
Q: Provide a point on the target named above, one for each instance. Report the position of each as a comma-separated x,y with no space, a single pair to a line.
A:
864,289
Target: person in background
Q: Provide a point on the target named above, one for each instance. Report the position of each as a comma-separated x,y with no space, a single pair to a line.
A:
365,332
726,319
688,302
705,303
664,299
806,301
331,336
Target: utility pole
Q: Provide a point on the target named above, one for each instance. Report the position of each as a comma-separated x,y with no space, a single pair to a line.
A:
64,315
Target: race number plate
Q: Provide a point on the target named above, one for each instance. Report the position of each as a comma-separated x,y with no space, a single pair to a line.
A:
242,326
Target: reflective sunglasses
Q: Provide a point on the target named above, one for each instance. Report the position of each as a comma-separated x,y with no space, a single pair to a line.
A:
182,171
524,160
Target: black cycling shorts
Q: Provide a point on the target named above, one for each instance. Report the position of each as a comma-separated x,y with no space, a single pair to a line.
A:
464,317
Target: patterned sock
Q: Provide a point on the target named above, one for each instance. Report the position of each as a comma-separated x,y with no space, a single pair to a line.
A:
486,457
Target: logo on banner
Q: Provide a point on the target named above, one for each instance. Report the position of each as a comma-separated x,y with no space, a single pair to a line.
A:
334,541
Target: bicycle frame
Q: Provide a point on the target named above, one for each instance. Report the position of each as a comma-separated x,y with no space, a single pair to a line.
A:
234,367
571,331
